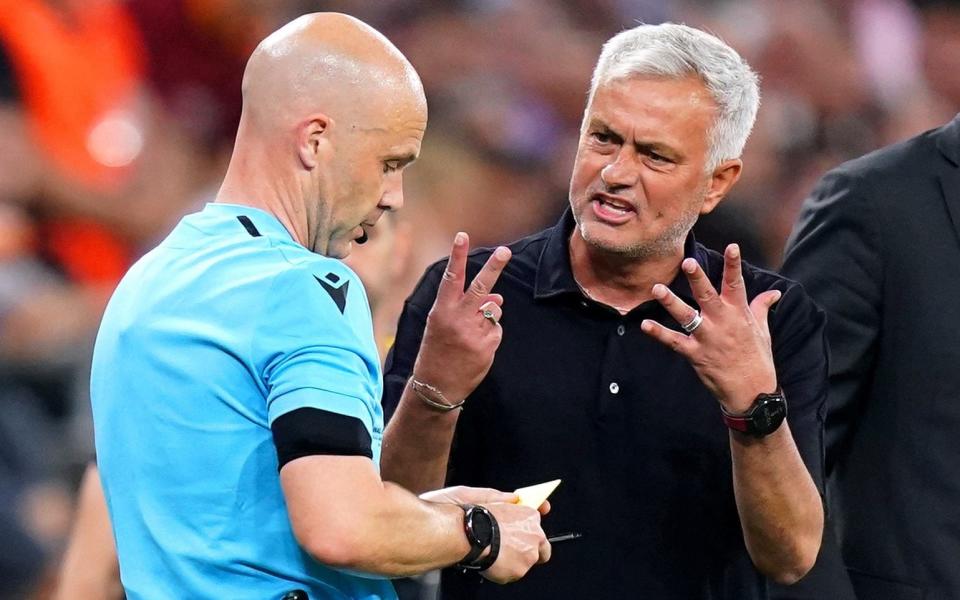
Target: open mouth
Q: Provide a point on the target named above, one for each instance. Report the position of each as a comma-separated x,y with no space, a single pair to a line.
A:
611,209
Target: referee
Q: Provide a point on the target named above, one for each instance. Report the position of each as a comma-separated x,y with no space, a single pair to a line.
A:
236,382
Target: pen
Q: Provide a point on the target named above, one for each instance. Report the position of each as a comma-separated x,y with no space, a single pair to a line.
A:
563,537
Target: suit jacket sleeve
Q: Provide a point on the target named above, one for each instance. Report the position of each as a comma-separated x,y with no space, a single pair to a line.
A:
834,252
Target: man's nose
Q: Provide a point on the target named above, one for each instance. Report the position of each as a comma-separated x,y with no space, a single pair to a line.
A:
393,194
620,173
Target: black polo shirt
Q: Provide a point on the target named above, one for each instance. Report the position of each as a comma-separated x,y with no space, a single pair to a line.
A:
579,392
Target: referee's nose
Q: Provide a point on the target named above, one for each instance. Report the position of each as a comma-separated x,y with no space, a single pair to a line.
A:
392,198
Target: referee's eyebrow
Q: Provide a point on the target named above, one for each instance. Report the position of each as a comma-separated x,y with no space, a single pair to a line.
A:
402,159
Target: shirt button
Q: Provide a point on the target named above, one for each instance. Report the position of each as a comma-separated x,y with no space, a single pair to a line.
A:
621,330
614,388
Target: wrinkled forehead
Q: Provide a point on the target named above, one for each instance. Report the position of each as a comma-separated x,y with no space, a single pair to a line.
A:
651,93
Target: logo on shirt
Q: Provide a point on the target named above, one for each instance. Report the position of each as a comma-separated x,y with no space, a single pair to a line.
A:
337,290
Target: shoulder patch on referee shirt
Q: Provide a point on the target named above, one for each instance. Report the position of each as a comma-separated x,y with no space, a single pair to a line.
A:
337,290
248,225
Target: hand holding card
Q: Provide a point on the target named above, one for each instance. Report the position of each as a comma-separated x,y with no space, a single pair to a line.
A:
535,495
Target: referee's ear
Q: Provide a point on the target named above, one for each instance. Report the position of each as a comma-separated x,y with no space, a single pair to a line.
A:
312,140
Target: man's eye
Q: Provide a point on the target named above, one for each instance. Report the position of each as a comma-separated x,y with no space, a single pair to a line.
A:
658,158
390,166
602,137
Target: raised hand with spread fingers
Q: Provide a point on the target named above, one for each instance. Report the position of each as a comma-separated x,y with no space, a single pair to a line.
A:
728,340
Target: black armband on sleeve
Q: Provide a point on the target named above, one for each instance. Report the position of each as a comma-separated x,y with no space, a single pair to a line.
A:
312,431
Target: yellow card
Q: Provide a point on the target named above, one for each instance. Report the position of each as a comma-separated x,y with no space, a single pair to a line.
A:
535,495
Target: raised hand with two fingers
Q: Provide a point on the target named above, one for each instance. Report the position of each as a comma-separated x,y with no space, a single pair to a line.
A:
463,329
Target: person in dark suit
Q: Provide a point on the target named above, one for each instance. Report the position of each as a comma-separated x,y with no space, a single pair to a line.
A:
877,245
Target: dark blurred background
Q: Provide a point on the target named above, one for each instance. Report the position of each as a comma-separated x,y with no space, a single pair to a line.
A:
117,117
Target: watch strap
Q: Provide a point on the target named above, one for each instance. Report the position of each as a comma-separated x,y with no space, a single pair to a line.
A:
743,422
739,423
487,561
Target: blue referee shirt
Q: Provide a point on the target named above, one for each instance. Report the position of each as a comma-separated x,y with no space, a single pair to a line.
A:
223,328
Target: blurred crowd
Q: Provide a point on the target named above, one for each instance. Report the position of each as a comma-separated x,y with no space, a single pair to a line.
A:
117,117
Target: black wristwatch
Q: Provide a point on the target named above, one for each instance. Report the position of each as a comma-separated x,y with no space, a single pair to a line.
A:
763,418
482,532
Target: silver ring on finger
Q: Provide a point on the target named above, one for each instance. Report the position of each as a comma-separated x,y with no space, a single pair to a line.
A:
489,315
695,322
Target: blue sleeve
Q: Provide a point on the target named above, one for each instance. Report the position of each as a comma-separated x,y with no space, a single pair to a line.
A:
310,353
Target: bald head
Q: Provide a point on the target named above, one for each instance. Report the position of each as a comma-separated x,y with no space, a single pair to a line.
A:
332,115
327,62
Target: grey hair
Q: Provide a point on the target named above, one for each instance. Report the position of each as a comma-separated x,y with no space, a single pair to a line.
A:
676,51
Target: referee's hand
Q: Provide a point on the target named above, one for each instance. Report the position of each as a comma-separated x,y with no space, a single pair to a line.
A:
463,328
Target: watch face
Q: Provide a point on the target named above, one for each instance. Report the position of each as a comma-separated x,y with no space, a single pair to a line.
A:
768,415
481,526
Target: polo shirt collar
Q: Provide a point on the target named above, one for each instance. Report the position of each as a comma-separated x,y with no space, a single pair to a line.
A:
554,275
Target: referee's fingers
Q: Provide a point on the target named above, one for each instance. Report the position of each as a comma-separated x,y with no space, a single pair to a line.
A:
545,551
451,286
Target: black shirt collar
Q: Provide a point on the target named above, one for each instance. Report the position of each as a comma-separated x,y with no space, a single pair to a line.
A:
555,275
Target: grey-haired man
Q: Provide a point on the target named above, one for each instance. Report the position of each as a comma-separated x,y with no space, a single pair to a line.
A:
656,396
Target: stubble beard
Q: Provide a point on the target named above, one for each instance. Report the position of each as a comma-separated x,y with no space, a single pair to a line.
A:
665,244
